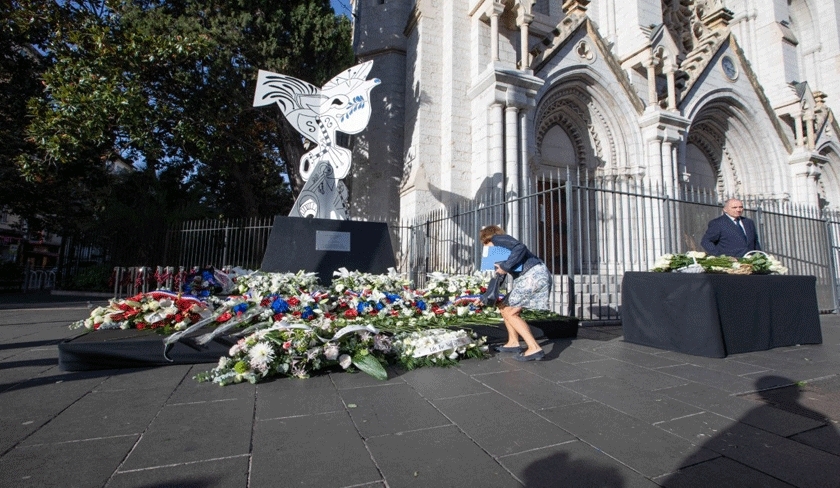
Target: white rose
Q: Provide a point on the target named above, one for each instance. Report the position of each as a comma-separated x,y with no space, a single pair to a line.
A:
345,361
331,351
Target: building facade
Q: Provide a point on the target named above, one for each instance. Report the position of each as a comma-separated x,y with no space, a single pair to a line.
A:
486,98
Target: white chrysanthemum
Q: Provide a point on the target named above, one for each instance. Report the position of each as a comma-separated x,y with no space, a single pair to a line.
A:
261,356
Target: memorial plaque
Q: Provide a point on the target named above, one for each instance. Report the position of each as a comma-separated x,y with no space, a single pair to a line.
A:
332,241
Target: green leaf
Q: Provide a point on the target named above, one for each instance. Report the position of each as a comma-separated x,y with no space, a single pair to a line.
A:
370,365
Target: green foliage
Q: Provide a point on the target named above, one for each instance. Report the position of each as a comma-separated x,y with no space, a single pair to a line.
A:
369,364
165,87
92,278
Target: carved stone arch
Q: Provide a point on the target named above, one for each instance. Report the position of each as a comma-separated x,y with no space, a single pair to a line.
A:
572,128
707,137
579,108
709,141
758,169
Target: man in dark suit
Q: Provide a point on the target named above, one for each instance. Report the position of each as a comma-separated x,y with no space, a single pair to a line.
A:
731,234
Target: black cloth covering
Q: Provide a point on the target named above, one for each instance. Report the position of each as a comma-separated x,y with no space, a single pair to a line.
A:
110,349
714,315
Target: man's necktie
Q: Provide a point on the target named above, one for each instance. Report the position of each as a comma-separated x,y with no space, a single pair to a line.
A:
741,226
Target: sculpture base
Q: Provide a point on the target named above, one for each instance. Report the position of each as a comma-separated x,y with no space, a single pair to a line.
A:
323,246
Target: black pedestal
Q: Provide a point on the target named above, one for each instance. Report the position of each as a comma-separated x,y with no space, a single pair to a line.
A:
561,328
323,246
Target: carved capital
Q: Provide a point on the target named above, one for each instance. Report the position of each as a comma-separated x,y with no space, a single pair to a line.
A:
495,8
575,7
717,17
523,9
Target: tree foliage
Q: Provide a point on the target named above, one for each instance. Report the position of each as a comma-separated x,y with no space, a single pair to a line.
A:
167,88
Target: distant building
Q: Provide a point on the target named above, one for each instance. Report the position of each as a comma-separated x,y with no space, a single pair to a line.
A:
484,97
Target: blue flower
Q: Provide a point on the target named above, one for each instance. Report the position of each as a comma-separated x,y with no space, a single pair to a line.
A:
307,313
239,308
421,305
280,306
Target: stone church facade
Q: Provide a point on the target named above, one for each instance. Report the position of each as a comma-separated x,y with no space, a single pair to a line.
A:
485,98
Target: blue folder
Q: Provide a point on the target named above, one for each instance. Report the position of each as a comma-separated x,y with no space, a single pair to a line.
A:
493,255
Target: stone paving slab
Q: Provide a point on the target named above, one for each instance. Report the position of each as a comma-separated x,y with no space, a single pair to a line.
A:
67,464
596,412
782,458
434,384
734,407
314,450
499,425
636,376
572,463
107,413
194,432
643,447
214,473
280,399
390,409
530,390
651,407
721,472
436,457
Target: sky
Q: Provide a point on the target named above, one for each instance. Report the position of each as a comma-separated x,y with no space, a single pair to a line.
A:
341,6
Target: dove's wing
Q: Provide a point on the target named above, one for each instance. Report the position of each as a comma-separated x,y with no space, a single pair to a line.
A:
296,99
358,72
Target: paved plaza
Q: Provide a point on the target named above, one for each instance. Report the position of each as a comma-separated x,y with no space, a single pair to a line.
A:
597,412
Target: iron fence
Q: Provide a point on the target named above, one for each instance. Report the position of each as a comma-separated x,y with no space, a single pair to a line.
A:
589,230
218,243
592,230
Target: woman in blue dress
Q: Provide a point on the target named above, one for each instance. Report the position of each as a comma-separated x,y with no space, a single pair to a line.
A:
531,288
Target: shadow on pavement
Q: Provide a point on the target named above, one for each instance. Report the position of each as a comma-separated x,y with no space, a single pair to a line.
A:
559,470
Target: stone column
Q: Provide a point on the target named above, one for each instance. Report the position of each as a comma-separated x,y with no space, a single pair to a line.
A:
797,123
663,132
496,140
527,228
805,175
523,20
496,10
650,65
512,166
672,87
809,129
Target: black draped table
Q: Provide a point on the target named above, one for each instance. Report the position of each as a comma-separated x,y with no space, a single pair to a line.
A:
714,315
108,349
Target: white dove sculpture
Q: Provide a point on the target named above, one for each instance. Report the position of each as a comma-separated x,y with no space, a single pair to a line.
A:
342,104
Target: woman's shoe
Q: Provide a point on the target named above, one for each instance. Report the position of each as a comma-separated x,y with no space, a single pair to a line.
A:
507,349
537,356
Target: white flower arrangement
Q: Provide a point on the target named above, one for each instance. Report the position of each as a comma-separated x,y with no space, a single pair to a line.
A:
754,262
436,346
260,283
